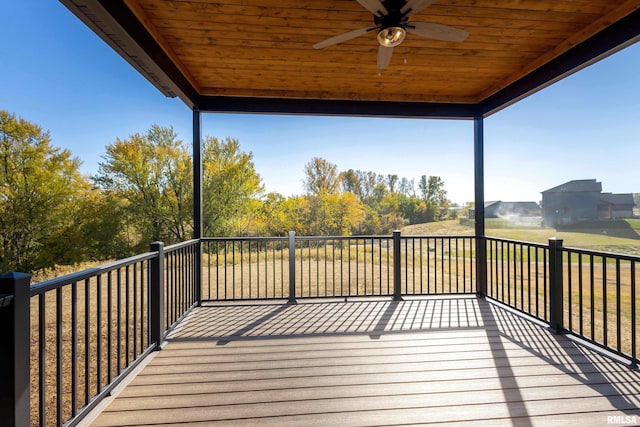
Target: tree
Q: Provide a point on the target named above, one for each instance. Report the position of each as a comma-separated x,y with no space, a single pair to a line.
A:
321,177
40,190
333,214
392,182
434,196
350,182
152,172
230,185
407,187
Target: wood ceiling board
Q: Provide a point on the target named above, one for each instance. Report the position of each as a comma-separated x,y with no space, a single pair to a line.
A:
264,48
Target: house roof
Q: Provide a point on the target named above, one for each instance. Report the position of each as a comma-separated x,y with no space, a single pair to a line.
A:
258,56
576,186
623,199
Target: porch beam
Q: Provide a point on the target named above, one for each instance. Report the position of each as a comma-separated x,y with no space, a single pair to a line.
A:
335,107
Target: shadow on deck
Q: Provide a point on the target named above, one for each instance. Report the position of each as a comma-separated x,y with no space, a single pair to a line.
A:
462,361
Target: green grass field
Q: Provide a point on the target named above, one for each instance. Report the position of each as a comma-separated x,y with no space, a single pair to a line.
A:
621,236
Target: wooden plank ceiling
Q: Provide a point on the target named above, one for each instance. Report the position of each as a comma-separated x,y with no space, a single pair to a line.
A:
264,48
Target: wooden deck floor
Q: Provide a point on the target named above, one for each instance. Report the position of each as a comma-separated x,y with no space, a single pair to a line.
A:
430,361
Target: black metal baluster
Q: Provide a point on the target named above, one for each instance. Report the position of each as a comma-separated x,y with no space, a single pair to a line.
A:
449,261
109,326
522,276
42,359
428,267
357,267
442,262
119,320
545,283
87,342
618,333
74,349
127,283
580,294
634,344
144,314
569,290
135,311
98,333
464,265
605,327
592,308
59,373
457,267
529,279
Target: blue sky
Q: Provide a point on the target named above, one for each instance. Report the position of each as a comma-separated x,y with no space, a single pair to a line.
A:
58,74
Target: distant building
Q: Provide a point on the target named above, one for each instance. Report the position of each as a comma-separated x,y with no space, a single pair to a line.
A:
500,209
583,200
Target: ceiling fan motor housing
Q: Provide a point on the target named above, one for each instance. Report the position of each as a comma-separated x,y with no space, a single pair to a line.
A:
394,18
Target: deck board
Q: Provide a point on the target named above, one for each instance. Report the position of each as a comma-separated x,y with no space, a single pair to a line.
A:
458,361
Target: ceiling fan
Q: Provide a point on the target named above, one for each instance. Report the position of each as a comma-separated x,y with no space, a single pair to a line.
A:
391,19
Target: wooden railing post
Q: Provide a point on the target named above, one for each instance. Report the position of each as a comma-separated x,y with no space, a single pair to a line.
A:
156,309
15,404
556,303
292,267
397,271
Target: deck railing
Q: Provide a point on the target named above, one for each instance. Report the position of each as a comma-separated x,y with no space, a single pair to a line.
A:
600,299
339,266
589,294
86,331
518,275
71,340
437,265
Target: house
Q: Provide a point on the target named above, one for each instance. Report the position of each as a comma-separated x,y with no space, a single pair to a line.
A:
583,200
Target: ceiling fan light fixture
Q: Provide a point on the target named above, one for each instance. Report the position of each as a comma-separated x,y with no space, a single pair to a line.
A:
391,36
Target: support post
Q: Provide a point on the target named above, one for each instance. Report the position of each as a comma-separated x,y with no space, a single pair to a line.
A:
397,270
292,268
197,201
15,352
157,296
556,302
481,246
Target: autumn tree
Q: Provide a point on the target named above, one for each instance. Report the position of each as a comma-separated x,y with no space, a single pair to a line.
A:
333,214
41,190
434,196
321,177
230,187
392,182
152,171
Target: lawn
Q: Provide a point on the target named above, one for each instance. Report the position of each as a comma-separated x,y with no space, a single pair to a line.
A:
359,267
622,236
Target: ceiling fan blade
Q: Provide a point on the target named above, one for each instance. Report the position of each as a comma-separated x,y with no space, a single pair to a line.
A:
374,6
437,31
342,37
384,57
414,6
